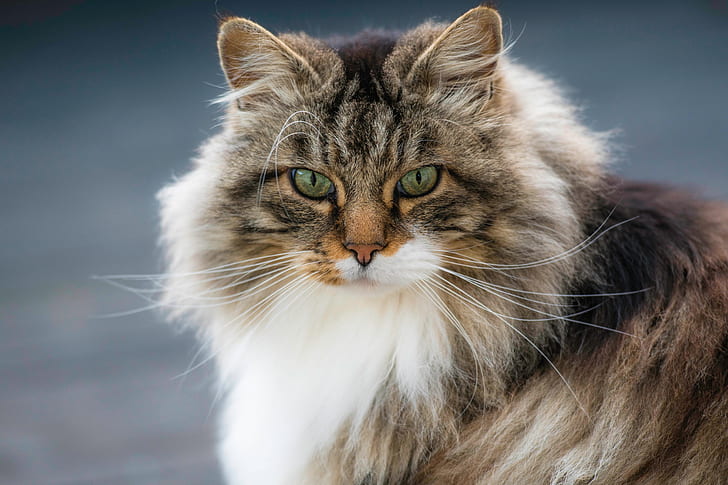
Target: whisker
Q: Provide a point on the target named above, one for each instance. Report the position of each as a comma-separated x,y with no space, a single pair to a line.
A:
567,318
594,237
275,167
192,368
305,289
272,278
272,304
160,288
432,296
478,304
591,239
286,124
217,269
239,282
264,300
567,295
520,297
487,286
477,265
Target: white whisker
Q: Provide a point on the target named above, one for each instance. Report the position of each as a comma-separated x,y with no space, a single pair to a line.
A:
591,239
266,299
160,288
230,342
470,299
217,269
271,278
551,317
278,140
430,294
273,302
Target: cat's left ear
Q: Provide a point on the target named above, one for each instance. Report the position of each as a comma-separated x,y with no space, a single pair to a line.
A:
459,67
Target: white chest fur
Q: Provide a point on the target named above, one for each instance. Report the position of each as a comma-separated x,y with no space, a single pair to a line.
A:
297,379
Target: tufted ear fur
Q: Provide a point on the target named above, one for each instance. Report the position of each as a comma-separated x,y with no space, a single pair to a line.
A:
258,65
459,66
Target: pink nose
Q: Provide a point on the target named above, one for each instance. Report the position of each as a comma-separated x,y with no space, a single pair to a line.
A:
363,251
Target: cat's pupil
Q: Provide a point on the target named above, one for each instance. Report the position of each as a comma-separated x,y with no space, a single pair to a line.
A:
313,179
418,177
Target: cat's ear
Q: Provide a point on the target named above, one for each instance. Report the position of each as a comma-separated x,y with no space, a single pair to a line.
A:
459,66
258,65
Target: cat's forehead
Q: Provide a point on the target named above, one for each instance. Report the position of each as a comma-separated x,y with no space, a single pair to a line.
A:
372,140
365,133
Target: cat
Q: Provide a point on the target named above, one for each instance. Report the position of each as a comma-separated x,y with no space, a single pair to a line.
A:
411,265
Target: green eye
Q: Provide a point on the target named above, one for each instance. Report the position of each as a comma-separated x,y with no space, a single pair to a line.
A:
418,182
311,184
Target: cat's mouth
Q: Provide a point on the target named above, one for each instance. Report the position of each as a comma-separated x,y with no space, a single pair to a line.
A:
364,277
368,283
369,277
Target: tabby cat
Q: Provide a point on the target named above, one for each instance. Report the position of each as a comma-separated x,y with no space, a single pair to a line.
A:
409,263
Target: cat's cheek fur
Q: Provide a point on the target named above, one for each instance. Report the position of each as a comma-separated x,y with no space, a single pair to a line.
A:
185,207
297,380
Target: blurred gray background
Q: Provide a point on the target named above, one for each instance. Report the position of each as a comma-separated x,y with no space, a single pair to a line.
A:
102,102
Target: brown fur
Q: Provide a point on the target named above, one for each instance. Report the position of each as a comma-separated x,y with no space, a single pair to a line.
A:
653,402
520,181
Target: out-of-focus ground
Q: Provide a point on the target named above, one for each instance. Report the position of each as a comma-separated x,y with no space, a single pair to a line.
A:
102,102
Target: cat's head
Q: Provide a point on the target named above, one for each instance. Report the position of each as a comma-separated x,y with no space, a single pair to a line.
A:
379,161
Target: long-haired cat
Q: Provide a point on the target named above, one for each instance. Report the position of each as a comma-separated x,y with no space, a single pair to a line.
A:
410,266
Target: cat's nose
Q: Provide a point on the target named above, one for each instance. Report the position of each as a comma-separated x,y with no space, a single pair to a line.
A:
363,252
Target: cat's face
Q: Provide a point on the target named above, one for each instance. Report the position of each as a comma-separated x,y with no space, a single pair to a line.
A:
371,193
377,165
371,178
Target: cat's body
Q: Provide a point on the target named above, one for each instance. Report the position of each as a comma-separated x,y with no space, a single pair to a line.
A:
525,319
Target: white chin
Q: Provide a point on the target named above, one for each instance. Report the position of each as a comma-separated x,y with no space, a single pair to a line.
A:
366,286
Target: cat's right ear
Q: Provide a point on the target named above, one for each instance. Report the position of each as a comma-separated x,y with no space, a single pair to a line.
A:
259,66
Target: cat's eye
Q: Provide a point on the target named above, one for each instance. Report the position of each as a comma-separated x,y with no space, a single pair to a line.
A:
311,184
418,182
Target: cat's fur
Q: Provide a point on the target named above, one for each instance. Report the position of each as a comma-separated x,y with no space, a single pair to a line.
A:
469,350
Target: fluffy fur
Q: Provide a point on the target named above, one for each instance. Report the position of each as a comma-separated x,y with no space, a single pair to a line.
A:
530,320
